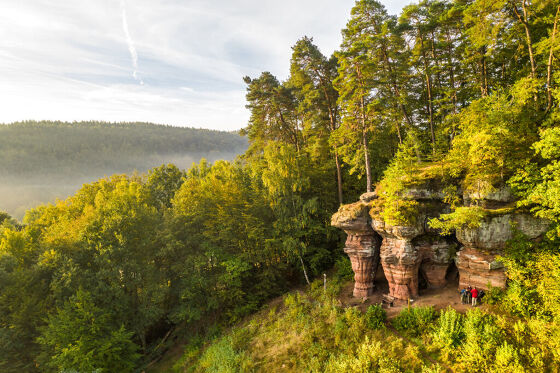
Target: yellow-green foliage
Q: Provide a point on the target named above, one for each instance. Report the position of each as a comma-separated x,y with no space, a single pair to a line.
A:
400,211
483,342
534,285
415,320
462,217
406,172
496,136
309,332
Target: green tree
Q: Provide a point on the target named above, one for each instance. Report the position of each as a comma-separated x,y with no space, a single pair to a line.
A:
313,75
83,337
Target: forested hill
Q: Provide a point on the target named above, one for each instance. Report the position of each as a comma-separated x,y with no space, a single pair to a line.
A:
43,160
80,148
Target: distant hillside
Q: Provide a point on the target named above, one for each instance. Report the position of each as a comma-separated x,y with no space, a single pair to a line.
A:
41,161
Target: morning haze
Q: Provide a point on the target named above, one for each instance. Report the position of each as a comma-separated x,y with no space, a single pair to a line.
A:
42,161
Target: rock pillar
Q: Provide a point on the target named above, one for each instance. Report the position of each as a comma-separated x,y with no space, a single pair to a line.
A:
363,250
399,258
437,253
362,245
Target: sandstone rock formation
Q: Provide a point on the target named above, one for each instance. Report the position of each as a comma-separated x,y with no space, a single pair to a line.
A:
477,261
407,251
362,245
413,249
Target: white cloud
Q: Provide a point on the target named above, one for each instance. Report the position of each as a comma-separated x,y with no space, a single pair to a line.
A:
78,59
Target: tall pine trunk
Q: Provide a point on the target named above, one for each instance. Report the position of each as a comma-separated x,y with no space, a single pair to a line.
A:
525,22
549,63
430,106
338,177
365,146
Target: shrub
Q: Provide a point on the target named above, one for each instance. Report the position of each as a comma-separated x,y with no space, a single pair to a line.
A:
413,321
482,338
389,355
494,295
343,269
375,316
221,357
448,333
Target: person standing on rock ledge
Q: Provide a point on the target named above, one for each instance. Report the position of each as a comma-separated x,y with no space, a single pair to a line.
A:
474,293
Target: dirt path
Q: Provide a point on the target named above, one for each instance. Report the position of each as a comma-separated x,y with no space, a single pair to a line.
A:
438,298
442,298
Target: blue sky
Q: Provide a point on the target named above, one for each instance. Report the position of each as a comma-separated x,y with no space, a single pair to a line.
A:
163,61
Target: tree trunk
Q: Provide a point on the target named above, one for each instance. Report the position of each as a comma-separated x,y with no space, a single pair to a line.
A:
549,64
394,83
451,71
524,20
429,93
332,121
396,90
304,270
338,178
483,73
365,146
366,159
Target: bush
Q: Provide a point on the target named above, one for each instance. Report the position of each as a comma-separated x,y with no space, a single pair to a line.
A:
220,357
482,338
343,269
375,316
494,295
413,321
448,333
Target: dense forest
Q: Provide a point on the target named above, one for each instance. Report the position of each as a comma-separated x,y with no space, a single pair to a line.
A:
45,160
110,278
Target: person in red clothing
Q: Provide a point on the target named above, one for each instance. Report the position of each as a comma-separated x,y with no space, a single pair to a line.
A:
474,293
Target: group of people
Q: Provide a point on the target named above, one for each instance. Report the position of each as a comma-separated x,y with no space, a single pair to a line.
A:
470,295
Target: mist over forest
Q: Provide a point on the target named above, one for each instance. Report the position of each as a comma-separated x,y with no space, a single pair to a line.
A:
43,161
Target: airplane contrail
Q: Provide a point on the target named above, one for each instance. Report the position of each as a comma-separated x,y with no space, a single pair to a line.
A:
131,47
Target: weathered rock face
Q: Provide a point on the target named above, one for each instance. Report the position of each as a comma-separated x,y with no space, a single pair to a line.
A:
477,262
404,250
438,253
399,258
479,269
408,250
362,245
363,250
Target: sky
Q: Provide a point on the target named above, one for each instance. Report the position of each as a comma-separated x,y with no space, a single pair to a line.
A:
177,62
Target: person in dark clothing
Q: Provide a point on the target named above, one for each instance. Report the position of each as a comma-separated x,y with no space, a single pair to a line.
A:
481,295
469,295
463,296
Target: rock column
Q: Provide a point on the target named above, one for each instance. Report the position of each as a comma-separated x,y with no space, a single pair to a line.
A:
400,259
363,250
362,245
